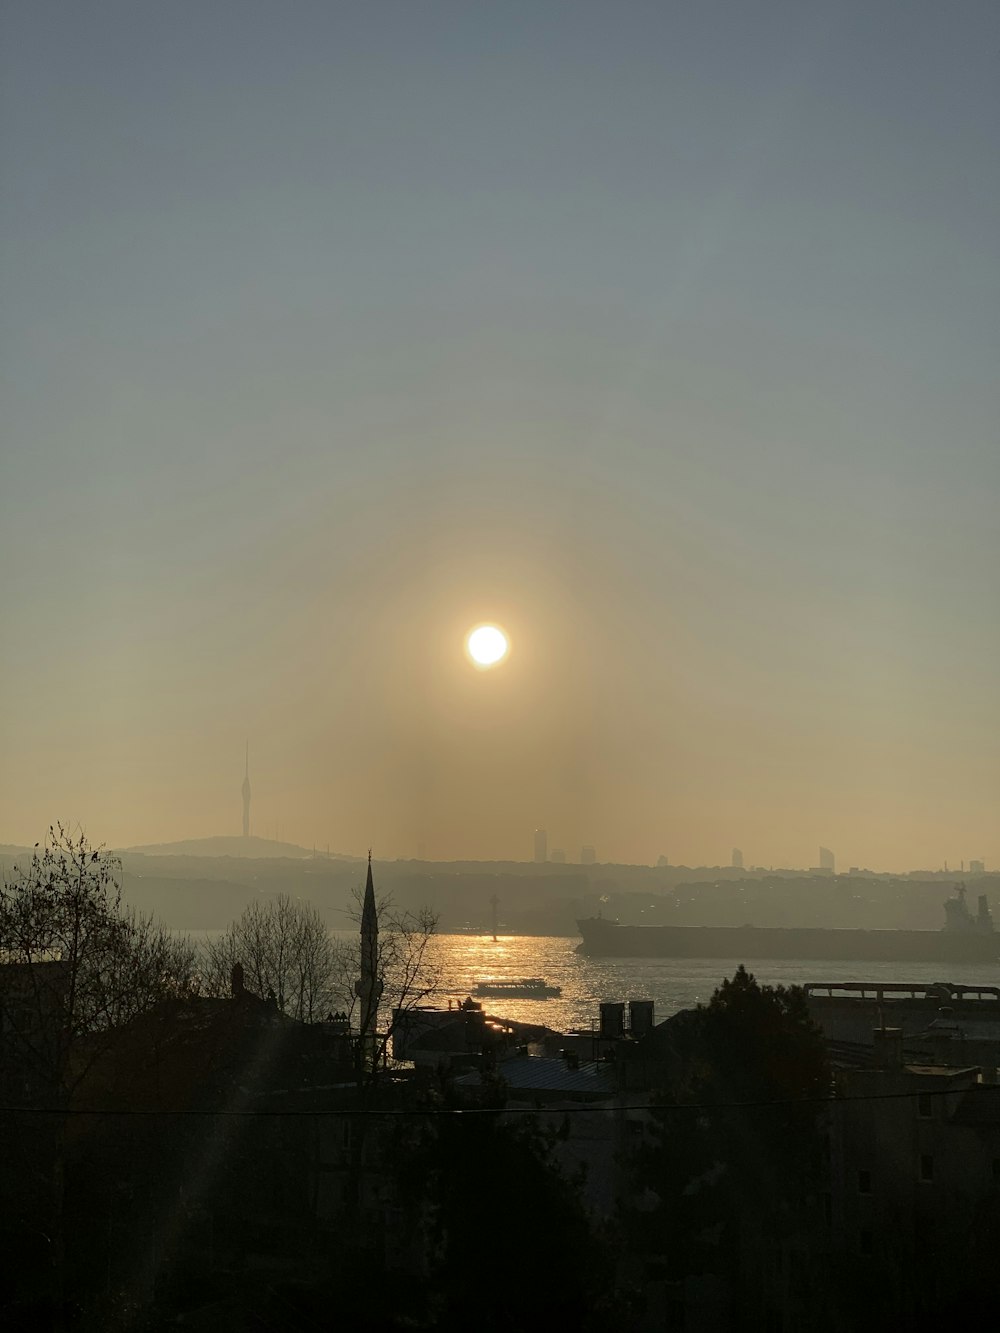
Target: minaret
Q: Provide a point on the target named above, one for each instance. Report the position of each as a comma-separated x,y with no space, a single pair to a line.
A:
369,986
246,796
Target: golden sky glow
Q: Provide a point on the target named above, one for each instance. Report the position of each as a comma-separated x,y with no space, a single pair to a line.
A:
672,357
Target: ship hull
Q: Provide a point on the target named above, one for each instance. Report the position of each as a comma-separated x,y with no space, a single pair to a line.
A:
607,939
517,993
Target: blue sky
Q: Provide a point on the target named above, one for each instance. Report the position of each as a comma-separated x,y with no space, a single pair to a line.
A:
666,333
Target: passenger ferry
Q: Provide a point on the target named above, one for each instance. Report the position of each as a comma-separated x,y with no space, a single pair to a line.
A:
523,988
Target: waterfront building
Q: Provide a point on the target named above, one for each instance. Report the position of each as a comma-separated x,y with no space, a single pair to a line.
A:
914,1157
541,846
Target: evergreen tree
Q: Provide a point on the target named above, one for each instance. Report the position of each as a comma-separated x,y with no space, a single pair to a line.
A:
736,1145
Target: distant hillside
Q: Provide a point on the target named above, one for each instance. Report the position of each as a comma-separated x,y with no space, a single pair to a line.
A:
247,848
189,904
206,883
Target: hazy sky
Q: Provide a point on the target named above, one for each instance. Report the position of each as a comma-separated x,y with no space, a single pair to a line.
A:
665,334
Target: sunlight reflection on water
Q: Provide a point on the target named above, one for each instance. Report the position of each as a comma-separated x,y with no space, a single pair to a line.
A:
673,983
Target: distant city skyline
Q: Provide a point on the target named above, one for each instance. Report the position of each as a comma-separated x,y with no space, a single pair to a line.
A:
543,854
232,845
541,851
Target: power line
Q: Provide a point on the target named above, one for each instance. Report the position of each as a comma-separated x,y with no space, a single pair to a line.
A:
579,1108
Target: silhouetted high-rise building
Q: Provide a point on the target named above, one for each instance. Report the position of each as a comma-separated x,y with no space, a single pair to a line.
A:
976,867
588,856
826,860
246,795
541,845
558,856
737,861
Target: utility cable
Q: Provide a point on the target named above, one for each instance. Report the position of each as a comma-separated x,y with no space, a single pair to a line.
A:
579,1108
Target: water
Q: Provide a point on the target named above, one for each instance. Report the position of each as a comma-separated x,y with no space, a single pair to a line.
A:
672,983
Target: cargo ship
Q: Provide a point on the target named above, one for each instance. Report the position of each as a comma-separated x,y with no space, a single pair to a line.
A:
964,939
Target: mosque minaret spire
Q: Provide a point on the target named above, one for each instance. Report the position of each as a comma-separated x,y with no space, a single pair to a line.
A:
369,986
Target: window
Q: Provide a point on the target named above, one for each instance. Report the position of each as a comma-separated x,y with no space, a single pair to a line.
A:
925,1106
864,1182
926,1167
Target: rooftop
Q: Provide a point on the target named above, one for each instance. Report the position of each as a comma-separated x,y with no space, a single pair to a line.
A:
536,1073
979,1106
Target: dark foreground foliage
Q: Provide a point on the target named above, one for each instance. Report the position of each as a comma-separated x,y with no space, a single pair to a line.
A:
509,1241
733,1165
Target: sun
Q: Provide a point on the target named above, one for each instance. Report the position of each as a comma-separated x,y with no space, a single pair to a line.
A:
487,645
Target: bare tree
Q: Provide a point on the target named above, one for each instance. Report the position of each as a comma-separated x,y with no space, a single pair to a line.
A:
75,965
76,962
285,949
406,966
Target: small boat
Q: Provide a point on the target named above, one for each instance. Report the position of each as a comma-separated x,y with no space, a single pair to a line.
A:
522,988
